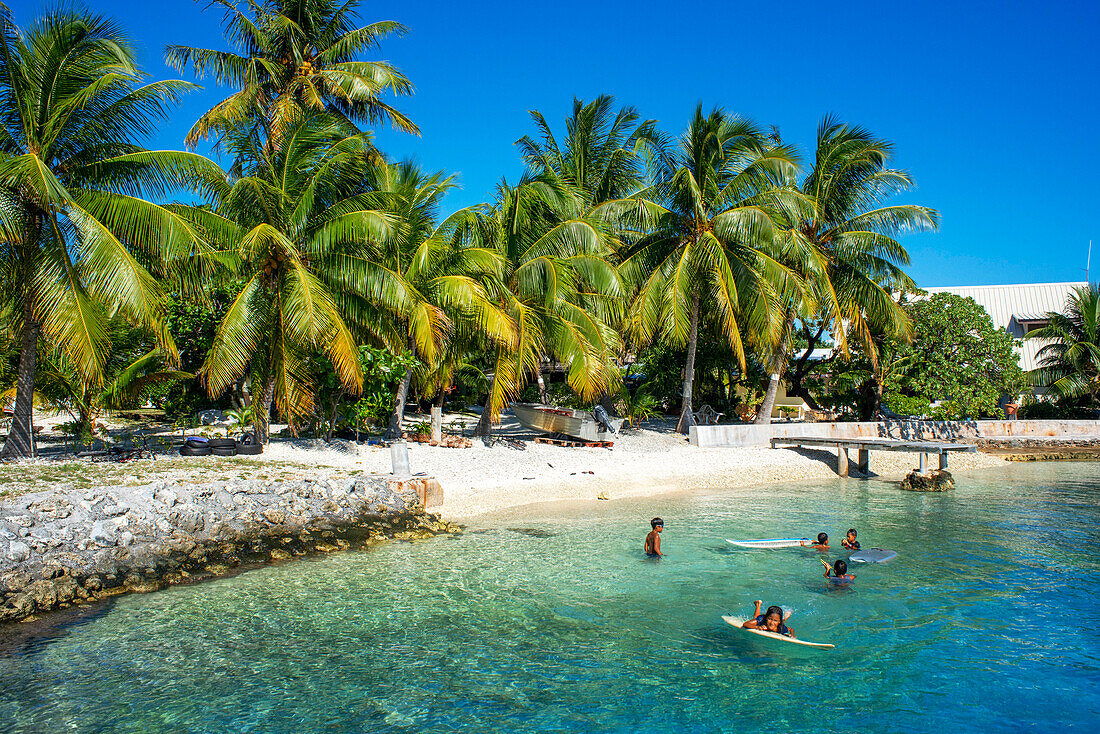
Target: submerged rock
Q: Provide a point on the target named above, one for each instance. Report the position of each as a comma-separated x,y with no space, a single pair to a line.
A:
939,480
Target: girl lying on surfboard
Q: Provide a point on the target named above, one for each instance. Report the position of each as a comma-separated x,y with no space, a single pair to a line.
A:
771,620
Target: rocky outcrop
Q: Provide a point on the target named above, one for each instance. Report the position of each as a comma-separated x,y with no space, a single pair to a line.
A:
66,547
939,480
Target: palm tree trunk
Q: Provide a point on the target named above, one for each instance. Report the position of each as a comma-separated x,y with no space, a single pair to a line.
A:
261,412
778,365
543,397
687,420
20,441
394,429
484,425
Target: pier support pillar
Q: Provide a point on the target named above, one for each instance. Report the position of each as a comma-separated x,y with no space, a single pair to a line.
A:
863,460
943,461
924,463
842,460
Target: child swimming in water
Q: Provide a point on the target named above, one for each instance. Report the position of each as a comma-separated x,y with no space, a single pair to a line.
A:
653,540
770,621
850,541
839,572
822,542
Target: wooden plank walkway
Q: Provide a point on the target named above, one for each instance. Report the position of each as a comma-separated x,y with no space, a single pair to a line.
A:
865,445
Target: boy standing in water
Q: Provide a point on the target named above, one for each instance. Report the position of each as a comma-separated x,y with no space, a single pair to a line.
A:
822,542
653,540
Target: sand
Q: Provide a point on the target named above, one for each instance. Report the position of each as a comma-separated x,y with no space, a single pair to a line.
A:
648,461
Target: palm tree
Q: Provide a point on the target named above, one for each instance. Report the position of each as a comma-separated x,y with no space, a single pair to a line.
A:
1069,363
290,57
76,234
442,266
302,235
710,213
599,162
844,248
553,268
600,156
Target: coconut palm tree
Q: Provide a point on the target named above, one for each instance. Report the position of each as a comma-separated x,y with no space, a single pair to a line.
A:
1069,363
710,217
600,156
302,235
842,244
77,236
442,265
291,56
553,269
600,161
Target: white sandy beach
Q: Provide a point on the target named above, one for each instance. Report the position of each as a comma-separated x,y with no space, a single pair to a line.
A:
656,460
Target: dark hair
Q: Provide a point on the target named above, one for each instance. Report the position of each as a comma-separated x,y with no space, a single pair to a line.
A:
655,522
778,611
851,531
840,568
822,537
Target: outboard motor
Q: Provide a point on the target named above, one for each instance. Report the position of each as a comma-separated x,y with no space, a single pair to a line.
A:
602,419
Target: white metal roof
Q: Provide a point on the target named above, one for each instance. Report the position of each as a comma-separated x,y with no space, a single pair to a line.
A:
1010,304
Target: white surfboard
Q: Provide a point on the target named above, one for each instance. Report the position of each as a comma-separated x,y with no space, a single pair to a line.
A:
873,555
769,543
735,622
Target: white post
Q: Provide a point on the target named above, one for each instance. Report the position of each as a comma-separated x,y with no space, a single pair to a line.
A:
399,458
437,423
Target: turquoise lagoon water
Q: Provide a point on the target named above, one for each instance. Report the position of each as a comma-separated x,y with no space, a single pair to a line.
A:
550,619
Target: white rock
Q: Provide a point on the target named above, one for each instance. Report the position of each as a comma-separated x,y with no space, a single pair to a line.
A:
19,551
125,538
101,535
113,510
167,496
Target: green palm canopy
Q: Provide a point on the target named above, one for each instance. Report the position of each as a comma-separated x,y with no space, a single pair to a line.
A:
445,268
709,230
553,268
294,56
308,239
80,242
842,243
1069,361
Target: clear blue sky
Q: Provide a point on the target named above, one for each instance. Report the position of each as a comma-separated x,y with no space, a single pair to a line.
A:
993,106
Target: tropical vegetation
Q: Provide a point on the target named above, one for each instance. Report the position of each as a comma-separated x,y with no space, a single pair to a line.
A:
1069,360
317,280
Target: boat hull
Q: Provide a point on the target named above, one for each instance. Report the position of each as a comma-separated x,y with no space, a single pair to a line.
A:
576,423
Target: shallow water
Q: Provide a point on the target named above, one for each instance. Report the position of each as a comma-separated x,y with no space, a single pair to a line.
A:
550,619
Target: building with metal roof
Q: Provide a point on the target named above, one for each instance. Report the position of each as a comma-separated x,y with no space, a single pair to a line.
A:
1018,309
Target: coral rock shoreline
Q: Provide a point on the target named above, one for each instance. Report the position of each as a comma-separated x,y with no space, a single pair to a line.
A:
63,548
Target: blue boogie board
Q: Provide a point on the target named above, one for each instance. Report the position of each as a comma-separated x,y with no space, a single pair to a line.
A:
873,555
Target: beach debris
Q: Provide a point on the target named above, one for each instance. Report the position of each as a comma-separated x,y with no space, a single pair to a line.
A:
449,441
571,443
602,496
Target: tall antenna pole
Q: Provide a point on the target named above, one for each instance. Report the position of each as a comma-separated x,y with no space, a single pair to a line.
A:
1088,264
